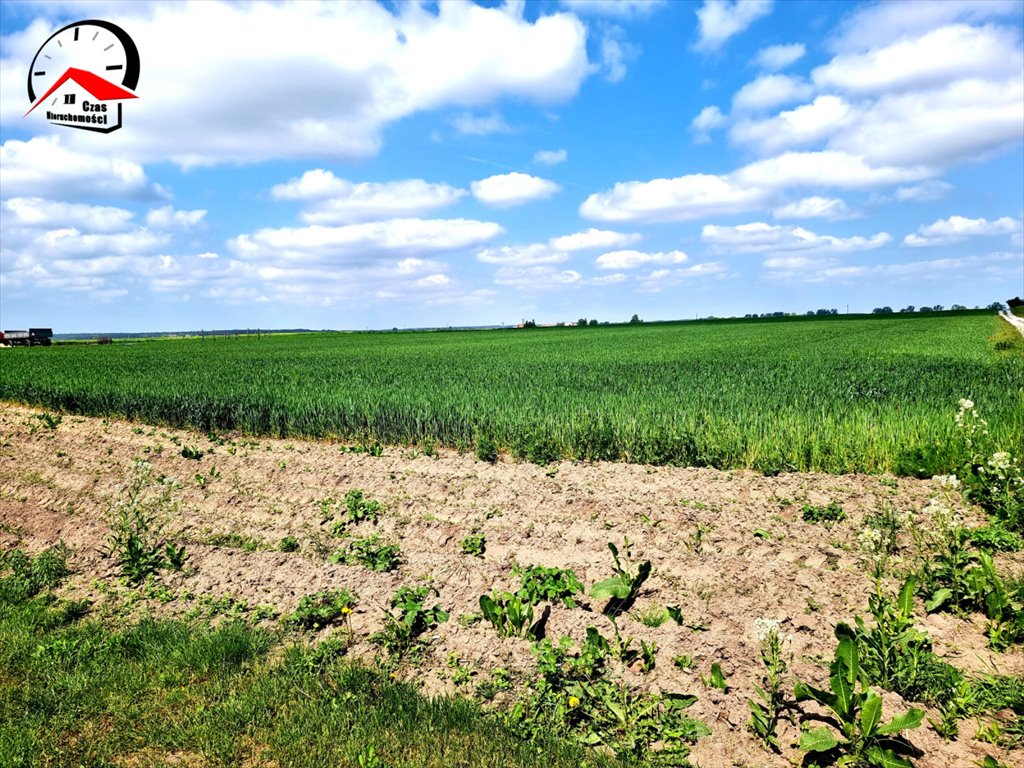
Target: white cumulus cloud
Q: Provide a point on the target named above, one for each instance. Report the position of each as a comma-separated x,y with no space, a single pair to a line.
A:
877,25
957,228
777,57
550,156
660,279
759,237
522,255
594,238
935,189
615,53
768,91
537,278
511,189
38,212
361,243
937,57
167,217
47,167
339,201
962,121
708,120
686,197
752,187
628,259
618,277
814,207
936,98
825,168
718,20
805,125
480,125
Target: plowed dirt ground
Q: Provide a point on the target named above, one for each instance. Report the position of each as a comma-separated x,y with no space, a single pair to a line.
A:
727,547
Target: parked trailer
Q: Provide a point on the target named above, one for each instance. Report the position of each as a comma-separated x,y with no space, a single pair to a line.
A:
33,337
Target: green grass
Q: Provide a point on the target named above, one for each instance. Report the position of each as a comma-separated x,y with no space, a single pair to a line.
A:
837,395
74,692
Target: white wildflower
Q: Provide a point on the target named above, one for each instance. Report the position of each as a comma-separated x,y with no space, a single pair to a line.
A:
870,539
943,519
951,482
965,404
872,546
765,628
1000,460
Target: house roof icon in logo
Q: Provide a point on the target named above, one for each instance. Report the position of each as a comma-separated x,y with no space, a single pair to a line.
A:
80,99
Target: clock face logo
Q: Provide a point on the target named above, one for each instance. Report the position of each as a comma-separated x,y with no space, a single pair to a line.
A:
83,74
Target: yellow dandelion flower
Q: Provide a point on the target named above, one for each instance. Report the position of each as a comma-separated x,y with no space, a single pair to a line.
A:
574,701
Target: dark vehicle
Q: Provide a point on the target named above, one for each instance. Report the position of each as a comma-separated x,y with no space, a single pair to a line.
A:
33,337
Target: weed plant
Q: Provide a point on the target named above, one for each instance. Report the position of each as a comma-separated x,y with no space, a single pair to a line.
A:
770,705
322,609
139,539
473,545
622,589
863,739
407,621
370,552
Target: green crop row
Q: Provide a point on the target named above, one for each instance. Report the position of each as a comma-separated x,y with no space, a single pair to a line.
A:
839,395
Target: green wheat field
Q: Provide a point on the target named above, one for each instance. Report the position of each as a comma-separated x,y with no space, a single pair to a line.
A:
836,395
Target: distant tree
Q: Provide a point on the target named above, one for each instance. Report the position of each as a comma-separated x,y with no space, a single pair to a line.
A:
958,307
810,313
581,321
593,321
882,311
635,320
529,324
996,306
908,308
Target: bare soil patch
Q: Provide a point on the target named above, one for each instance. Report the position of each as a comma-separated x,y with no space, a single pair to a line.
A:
697,526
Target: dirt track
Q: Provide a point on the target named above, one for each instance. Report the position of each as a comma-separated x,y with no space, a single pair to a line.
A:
1016,322
697,526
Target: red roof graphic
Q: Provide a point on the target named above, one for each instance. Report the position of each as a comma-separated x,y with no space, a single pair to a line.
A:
101,89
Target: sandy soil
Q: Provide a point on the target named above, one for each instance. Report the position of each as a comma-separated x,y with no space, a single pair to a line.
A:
697,526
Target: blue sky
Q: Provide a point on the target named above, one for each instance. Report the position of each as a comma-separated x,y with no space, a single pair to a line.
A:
370,165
